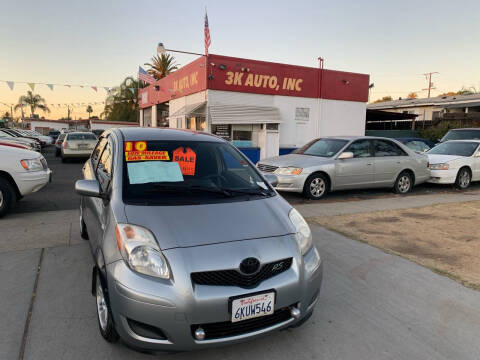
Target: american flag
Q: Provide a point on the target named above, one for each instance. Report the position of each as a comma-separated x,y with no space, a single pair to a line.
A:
143,75
207,34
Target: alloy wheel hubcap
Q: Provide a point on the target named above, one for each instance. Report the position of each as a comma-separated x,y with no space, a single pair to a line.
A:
464,179
102,309
404,184
317,187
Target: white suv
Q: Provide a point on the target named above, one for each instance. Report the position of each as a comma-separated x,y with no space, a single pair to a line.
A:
22,172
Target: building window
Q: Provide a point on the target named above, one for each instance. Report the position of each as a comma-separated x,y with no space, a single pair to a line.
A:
302,114
272,126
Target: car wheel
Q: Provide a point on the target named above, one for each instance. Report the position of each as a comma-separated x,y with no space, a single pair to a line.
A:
104,313
7,196
463,179
316,186
404,183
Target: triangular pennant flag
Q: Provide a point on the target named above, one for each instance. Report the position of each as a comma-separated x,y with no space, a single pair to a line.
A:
68,85
50,86
81,86
94,88
107,89
32,86
10,84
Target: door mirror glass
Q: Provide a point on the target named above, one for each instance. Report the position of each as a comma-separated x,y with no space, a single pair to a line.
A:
88,188
346,155
272,179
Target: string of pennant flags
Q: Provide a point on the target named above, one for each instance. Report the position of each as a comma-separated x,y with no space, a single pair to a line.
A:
11,85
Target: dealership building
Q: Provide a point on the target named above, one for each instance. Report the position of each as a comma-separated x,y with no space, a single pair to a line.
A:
264,108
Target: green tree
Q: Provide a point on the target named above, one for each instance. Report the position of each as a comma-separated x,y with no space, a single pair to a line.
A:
6,115
34,101
161,66
89,111
122,102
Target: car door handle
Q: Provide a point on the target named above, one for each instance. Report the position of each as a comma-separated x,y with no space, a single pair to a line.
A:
369,164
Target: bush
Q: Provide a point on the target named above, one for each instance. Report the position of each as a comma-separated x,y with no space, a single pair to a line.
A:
435,133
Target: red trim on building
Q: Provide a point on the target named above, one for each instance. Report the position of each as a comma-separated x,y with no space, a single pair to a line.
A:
259,77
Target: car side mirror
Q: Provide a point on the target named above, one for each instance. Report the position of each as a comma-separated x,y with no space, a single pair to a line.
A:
272,179
89,188
346,155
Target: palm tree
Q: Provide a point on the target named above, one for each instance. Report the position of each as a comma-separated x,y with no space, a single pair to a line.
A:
34,101
122,102
89,111
161,66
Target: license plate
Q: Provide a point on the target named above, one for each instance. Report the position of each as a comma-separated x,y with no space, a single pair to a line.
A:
83,146
254,306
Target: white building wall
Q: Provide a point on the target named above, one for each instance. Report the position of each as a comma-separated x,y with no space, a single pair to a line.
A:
177,104
326,117
55,125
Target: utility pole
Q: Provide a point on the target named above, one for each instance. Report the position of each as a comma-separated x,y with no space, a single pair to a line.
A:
428,76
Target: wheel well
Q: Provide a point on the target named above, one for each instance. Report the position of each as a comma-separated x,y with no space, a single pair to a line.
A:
8,177
329,180
412,174
466,167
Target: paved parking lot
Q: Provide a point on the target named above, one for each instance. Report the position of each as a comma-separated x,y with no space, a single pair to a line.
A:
372,306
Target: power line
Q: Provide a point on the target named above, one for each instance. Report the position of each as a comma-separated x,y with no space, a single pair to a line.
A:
428,76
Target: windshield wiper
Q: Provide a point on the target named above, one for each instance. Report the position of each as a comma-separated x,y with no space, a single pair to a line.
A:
258,191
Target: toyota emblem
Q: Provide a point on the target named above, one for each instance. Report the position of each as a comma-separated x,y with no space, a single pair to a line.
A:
249,266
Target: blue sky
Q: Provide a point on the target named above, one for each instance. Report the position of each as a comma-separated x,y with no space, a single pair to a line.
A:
100,42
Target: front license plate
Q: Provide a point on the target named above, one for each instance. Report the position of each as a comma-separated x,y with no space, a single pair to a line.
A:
254,306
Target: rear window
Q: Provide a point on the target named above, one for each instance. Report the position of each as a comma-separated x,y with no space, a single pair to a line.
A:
81,137
462,135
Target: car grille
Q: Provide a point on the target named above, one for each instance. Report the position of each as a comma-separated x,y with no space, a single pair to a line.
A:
227,328
266,168
44,163
236,278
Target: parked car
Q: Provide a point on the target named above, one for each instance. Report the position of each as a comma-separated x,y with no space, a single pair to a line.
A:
455,162
193,248
16,133
22,172
58,144
462,134
338,163
77,145
6,135
54,134
417,144
44,139
14,144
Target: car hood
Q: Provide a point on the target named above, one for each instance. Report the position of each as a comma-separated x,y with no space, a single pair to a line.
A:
195,225
296,160
439,159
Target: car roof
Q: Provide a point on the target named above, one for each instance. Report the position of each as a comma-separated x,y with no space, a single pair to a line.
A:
152,134
349,138
79,132
464,140
476,129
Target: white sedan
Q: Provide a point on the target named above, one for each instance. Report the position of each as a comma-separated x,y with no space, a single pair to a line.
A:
455,162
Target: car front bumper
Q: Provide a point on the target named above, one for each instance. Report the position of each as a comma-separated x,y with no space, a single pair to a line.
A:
291,183
443,176
30,182
177,307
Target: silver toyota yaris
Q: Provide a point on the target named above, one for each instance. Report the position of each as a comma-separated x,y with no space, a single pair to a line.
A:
192,245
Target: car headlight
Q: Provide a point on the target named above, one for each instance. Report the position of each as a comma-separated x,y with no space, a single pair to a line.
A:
288,171
439,166
303,234
140,251
32,164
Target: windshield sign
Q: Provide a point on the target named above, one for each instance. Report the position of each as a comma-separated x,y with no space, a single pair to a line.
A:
184,172
323,147
454,148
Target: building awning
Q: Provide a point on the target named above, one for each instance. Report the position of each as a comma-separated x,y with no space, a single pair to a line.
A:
197,109
243,114
382,115
463,105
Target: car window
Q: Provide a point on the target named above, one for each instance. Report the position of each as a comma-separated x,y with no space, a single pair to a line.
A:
387,148
85,136
98,150
104,168
416,145
360,148
322,147
462,135
61,137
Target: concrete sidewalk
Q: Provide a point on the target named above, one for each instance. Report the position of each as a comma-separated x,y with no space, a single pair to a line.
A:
390,203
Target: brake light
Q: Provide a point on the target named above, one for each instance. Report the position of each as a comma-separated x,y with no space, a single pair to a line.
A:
65,145
428,164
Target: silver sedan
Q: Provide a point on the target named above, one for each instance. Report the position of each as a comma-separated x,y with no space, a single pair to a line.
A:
339,163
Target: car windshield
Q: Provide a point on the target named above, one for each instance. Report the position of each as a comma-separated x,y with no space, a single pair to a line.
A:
459,148
323,147
188,172
84,136
462,135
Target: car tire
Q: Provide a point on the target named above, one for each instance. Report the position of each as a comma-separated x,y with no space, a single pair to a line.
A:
64,159
104,312
404,183
464,178
7,196
316,186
